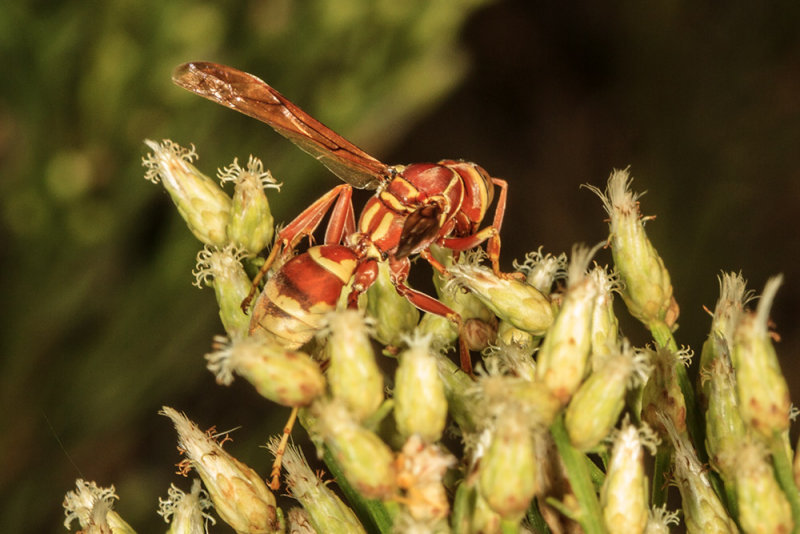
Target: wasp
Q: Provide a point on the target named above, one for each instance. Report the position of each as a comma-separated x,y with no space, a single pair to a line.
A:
414,206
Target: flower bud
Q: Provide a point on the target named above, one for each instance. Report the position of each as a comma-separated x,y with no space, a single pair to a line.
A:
241,497
562,360
420,473
420,404
366,461
353,373
222,269
660,520
729,308
91,506
596,406
541,271
662,394
186,512
499,394
605,326
646,286
762,504
443,331
251,226
513,353
624,495
520,304
393,314
201,202
702,509
725,428
763,394
326,511
290,378
507,471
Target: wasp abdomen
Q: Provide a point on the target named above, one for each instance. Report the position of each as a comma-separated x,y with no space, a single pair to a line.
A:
296,298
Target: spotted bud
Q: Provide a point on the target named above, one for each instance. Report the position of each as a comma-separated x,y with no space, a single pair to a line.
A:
763,394
762,504
702,509
240,496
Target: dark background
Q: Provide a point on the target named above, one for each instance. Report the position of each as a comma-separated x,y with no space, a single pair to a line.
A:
101,326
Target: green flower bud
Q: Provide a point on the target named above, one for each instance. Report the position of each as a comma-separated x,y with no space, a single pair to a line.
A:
596,406
702,509
91,506
646,286
393,314
729,308
443,331
222,269
201,202
763,394
542,270
251,225
513,353
420,473
186,512
290,378
762,504
507,470
420,405
353,373
564,354
240,496
458,387
725,428
366,461
624,496
662,394
466,304
500,393
605,326
326,511
520,304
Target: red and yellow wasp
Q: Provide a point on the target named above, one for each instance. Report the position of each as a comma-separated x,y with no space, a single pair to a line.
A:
414,206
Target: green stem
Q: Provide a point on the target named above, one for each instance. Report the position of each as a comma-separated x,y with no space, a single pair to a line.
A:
660,468
785,476
535,518
589,516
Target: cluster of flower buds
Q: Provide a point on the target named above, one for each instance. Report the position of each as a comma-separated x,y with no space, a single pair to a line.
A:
550,433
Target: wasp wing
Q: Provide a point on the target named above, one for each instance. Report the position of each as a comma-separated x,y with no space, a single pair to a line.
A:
419,230
252,96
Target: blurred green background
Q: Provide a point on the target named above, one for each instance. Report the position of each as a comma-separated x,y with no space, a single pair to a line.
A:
101,326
